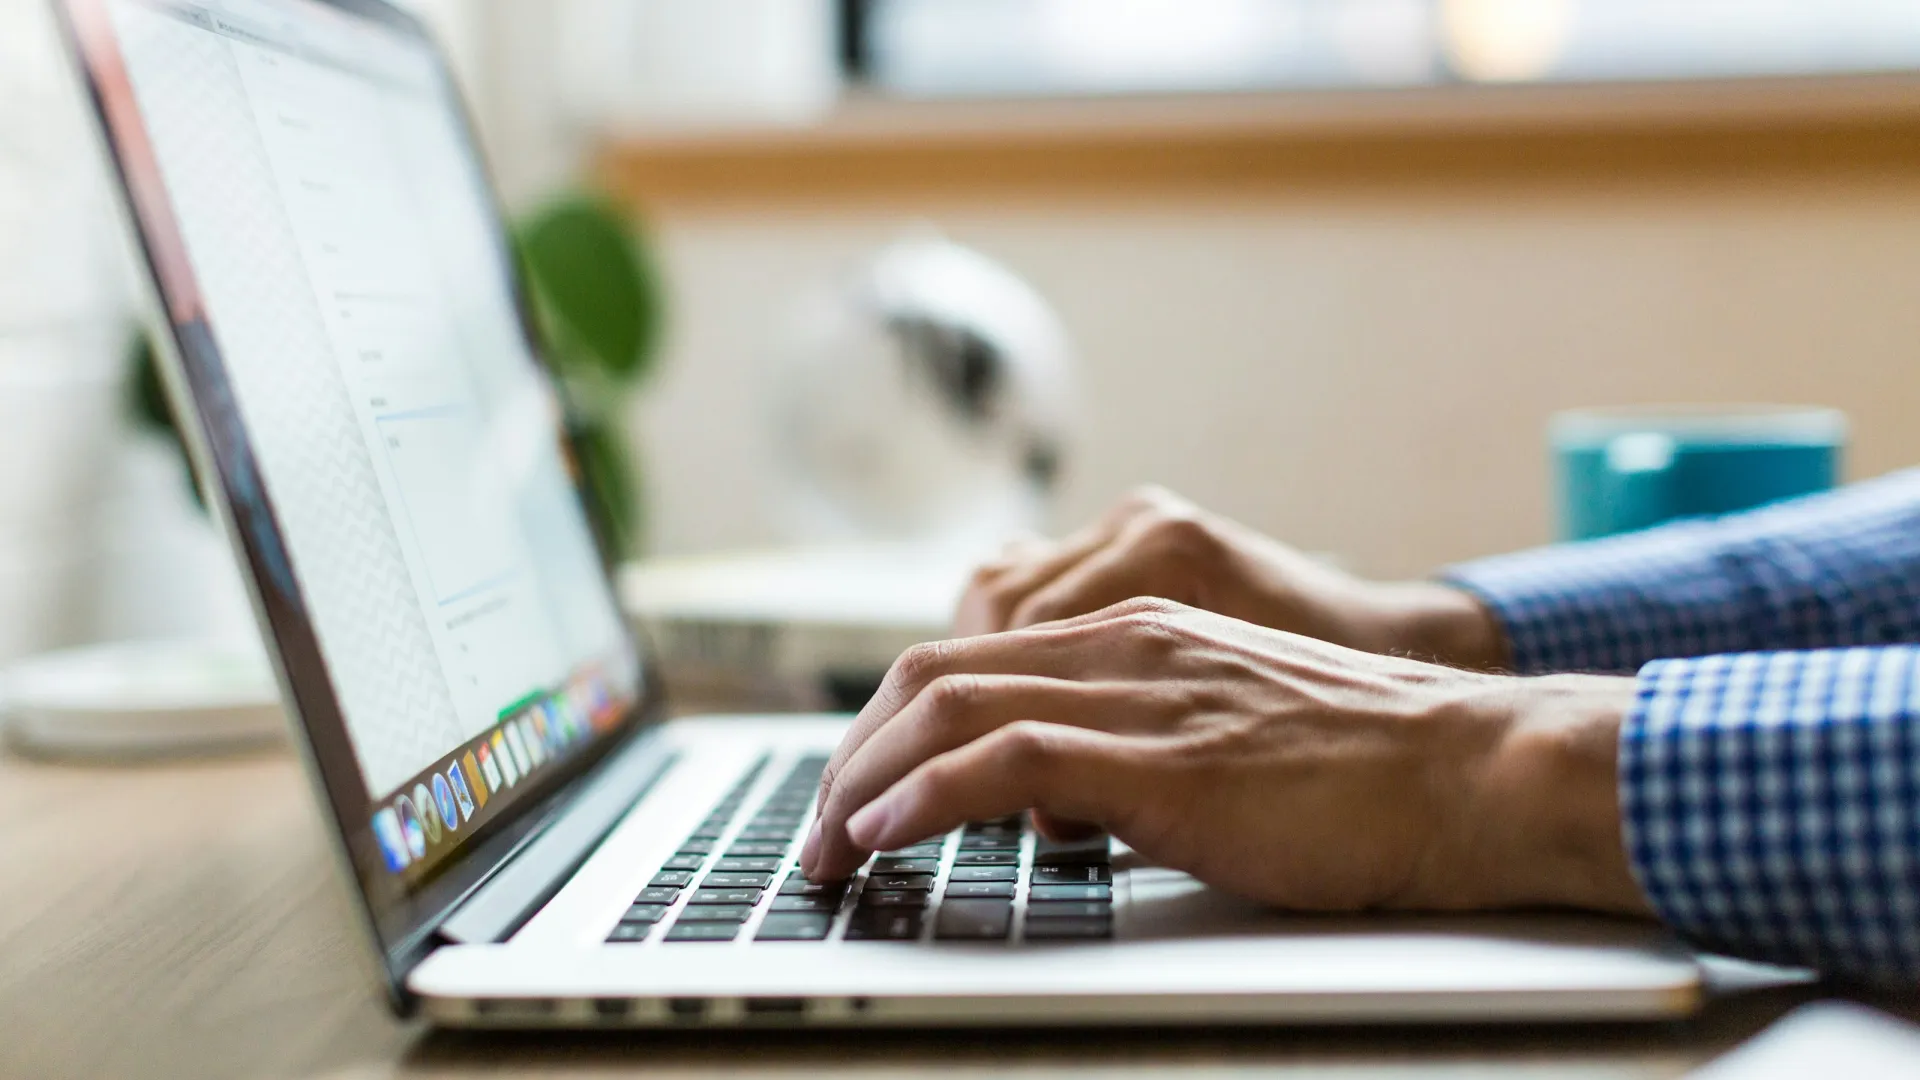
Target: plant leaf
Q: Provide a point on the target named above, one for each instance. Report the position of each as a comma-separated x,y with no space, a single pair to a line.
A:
597,292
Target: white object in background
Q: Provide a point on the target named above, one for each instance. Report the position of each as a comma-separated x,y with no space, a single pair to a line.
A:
60,405
160,567
40,577
142,699
679,64
766,628
57,253
930,398
1825,1039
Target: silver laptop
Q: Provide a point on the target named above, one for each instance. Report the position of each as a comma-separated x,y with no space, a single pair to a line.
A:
530,841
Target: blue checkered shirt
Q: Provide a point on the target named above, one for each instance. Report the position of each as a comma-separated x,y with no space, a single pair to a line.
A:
1770,769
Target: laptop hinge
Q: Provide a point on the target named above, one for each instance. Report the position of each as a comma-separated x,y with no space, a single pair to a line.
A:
504,903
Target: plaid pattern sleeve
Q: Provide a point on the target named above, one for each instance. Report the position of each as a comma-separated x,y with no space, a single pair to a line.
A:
1837,569
1770,804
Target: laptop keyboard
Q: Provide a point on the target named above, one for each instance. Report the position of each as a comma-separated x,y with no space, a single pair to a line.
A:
734,879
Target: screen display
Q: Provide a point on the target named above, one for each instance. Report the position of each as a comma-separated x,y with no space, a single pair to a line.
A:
331,260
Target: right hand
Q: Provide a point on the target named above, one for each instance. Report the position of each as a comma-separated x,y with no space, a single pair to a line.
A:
1156,544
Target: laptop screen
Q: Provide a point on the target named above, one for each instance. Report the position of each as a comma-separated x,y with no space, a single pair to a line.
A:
390,448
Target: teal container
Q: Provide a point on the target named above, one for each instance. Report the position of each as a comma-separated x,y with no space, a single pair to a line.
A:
1618,470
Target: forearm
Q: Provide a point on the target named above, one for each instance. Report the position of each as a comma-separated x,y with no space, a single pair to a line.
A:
1834,570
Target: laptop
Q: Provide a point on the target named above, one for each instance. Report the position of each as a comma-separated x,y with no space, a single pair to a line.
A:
529,839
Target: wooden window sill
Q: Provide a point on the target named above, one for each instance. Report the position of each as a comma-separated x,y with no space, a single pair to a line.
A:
873,149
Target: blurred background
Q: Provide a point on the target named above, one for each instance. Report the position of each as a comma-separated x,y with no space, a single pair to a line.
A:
1325,266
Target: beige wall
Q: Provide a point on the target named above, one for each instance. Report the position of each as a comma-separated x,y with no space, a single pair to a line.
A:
1363,372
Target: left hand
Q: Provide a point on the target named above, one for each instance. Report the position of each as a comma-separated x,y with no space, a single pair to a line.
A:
1274,766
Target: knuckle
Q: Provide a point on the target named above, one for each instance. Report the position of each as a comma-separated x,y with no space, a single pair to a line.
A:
1150,496
950,696
920,663
1038,610
1147,609
1027,745
1153,627
1182,535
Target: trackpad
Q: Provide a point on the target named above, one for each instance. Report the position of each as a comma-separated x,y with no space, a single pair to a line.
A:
1168,905
1162,903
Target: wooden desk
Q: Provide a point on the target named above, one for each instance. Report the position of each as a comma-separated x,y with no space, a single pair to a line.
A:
183,921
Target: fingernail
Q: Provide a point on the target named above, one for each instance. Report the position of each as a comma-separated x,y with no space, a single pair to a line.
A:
867,826
810,849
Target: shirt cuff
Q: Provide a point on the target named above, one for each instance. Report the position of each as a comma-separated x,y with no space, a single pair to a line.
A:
1770,805
1612,605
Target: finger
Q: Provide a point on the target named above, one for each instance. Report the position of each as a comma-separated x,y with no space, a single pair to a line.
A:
1060,829
952,712
1065,772
999,589
1113,574
1062,649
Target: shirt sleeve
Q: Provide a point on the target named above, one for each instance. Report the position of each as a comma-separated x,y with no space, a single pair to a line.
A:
1837,569
1770,805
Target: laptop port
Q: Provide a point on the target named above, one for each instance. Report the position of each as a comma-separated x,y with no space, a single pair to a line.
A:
687,1008
776,1007
611,1008
512,1008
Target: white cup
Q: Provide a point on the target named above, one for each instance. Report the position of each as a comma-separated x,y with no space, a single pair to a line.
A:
60,407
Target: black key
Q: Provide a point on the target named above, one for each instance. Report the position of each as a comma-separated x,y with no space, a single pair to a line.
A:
1060,852
720,880
655,894
671,879
631,932
979,890
974,920
986,858
1076,928
894,899
747,864
764,832
700,846
1043,893
984,873
817,905
1069,909
716,913
793,926
725,896
703,931
784,822
645,913
748,848
901,882
888,924
684,862
1011,821
1088,874
994,842
917,851
798,885
707,832
905,866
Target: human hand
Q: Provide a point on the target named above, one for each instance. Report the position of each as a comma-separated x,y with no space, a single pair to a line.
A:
1271,765
1154,543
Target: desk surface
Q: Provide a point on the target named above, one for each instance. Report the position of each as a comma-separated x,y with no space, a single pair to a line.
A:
182,921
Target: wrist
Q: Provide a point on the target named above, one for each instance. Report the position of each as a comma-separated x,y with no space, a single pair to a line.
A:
1544,813
1441,623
